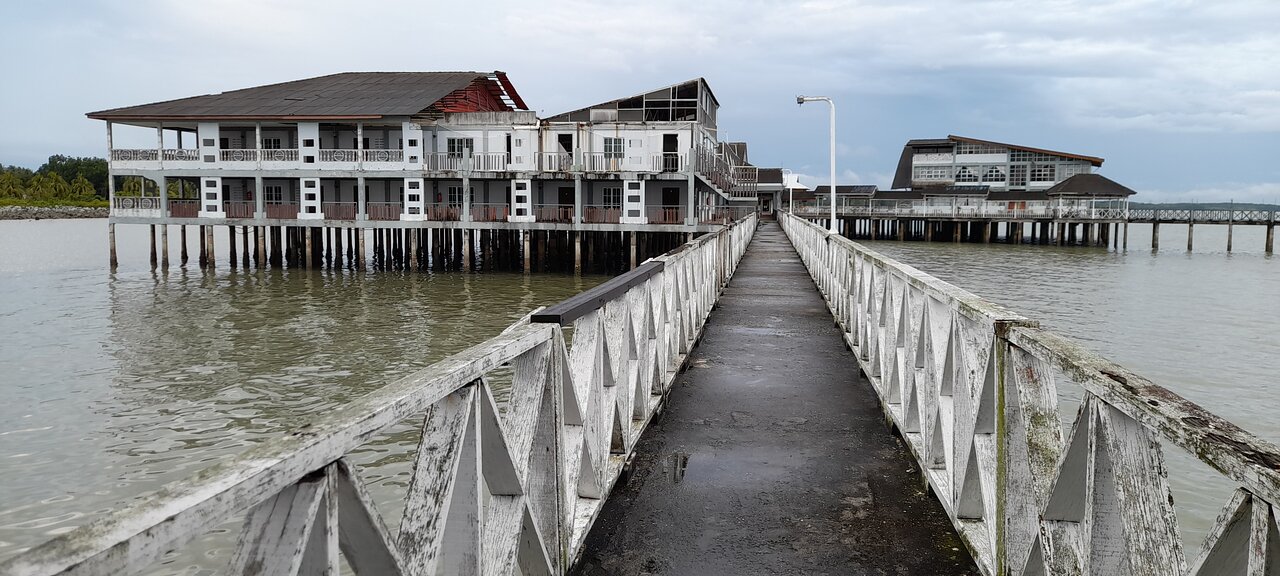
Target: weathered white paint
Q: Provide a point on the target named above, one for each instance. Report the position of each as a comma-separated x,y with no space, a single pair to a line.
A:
490,492
971,387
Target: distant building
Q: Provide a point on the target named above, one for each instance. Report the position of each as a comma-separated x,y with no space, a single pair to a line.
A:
959,165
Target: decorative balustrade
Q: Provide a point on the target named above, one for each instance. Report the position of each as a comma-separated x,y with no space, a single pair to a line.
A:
602,162
384,210
383,155
553,213
669,162
495,488
238,155
278,154
135,154
973,390
449,212
339,155
130,203
180,155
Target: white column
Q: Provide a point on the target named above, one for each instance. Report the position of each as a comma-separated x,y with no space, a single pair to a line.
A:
111,178
362,200
466,185
359,145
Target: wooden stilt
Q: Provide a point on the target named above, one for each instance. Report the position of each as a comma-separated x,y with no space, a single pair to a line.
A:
466,250
1191,235
1155,236
1268,247
111,245
633,249
164,246
528,256
182,234
152,233
306,256
244,247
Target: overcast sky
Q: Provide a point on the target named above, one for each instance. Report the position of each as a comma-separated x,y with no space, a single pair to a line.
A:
1181,98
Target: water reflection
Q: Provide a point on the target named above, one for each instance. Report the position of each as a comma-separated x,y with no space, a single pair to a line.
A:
119,383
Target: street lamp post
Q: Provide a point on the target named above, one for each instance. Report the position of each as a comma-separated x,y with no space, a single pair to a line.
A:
801,100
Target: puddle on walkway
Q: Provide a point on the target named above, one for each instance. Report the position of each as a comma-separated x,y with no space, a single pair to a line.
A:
679,462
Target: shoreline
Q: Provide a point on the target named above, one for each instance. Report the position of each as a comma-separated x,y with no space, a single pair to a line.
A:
50,212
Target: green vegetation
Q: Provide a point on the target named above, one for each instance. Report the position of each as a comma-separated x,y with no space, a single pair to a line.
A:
62,181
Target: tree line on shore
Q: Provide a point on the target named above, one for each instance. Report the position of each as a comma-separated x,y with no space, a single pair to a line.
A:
62,179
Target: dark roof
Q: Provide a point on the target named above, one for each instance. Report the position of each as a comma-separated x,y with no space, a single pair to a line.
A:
902,177
971,190
1017,196
930,142
897,195
349,95
769,176
1094,160
1089,185
851,190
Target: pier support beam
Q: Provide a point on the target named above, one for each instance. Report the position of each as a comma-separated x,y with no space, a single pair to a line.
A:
1191,235
528,256
1126,236
1155,236
110,243
633,249
466,249
182,253
1269,248
152,233
1230,227
577,252
164,246
231,241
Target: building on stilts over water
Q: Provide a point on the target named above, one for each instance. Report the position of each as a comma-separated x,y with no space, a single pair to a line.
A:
959,188
449,170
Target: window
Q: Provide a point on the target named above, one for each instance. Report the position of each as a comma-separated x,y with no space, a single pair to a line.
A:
308,143
270,143
413,142
931,173
613,147
210,183
455,195
964,174
1018,175
206,142
1042,173
273,194
993,174
457,145
413,185
612,197
309,184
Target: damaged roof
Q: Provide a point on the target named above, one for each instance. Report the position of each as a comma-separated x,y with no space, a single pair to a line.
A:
348,95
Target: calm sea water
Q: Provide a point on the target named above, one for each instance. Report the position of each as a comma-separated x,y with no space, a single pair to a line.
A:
1203,324
115,384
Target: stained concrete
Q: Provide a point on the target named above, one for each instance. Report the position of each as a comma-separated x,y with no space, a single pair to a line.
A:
773,456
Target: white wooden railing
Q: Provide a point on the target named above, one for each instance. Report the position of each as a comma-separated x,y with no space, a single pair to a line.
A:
973,390
966,209
494,489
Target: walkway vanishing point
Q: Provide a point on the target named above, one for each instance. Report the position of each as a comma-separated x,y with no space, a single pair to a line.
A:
661,436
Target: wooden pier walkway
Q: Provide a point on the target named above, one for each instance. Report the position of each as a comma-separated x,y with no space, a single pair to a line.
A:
773,455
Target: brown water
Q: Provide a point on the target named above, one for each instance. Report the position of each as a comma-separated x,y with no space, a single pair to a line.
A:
115,384
1202,324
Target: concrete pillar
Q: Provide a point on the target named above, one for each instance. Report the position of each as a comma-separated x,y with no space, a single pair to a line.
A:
1269,248
633,235
111,244
1126,237
1155,236
164,246
466,249
259,196
1191,235
528,257
928,231
1230,227
902,230
182,239
152,234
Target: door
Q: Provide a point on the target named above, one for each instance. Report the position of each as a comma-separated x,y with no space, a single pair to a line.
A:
564,160
670,153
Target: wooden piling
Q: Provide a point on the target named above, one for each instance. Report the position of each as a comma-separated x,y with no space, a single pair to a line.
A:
527,254
110,243
1191,235
1126,237
152,233
1155,236
306,251
231,241
1268,248
1230,227
211,260
182,232
244,247
260,241
164,246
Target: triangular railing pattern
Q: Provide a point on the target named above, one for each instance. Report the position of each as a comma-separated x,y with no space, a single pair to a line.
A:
492,491
971,389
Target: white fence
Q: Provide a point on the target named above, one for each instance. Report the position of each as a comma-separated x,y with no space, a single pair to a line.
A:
494,489
972,388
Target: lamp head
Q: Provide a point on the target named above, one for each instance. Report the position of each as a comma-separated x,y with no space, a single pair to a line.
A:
800,100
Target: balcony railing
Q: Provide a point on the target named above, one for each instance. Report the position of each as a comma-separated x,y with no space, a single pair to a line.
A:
489,162
240,209
339,155
383,155
180,155
666,214
444,212
282,211
279,155
669,162
238,155
135,202
338,210
553,213
490,212
601,214
602,162
135,154
384,210
556,161
184,208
